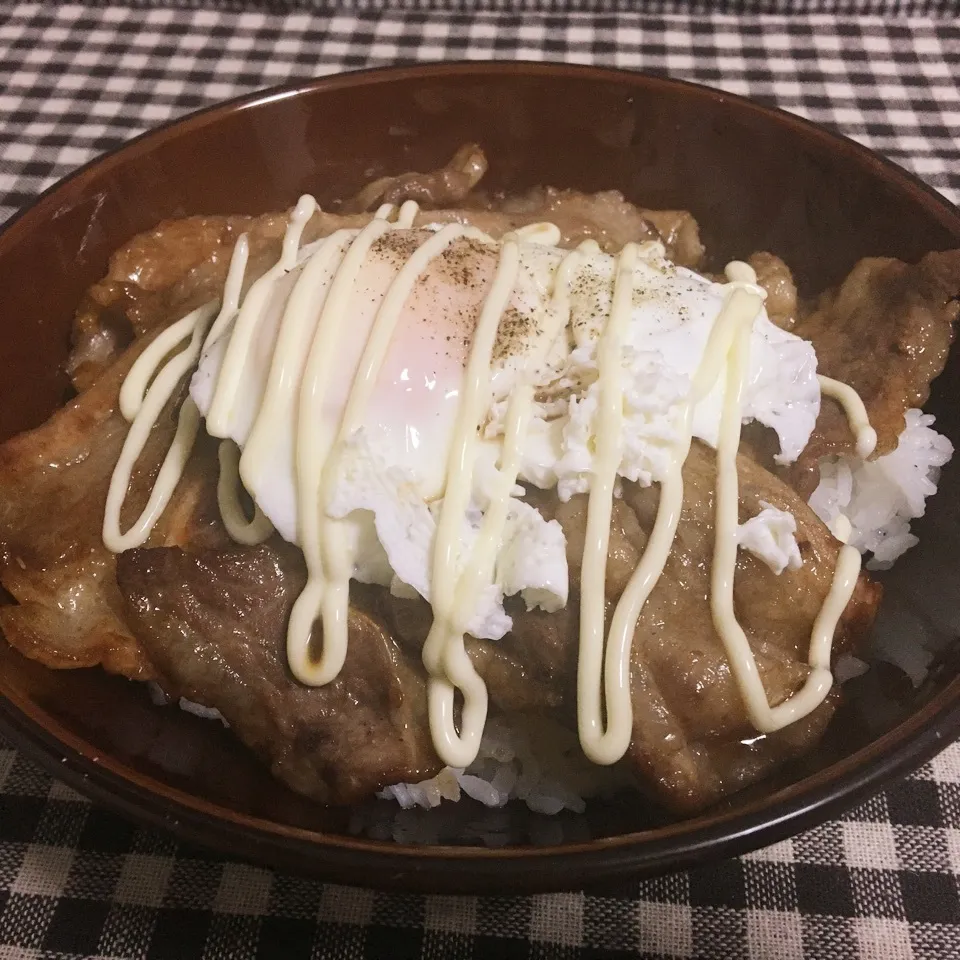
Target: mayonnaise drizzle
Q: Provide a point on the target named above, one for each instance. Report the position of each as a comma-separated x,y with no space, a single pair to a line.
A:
444,655
305,349
229,382
314,439
856,413
290,352
601,745
743,664
251,531
329,569
146,407
231,290
593,575
407,213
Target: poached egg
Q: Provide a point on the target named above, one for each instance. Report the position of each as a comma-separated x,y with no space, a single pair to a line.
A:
390,472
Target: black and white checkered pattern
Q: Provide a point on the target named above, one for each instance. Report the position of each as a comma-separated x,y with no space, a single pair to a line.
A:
930,8
76,881
80,80
879,884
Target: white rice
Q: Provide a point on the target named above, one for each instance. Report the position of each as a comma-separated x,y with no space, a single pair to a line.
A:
882,496
199,710
160,698
529,759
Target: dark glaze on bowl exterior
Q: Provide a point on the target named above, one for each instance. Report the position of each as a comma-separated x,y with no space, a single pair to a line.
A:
755,178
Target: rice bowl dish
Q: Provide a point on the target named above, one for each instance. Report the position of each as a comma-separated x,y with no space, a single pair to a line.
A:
388,504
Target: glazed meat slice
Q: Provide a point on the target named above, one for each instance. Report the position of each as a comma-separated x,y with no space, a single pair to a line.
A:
155,278
605,217
608,218
516,683
680,234
886,330
447,186
215,622
162,274
53,488
776,278
693,743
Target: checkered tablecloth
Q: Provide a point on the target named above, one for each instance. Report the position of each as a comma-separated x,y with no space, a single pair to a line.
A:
76,881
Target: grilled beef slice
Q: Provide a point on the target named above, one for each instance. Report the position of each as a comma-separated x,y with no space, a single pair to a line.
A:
53,490
886,331
214,622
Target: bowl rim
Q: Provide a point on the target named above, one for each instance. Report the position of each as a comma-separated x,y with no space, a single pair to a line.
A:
723,833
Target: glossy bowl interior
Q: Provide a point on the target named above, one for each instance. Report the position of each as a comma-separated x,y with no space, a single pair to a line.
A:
754,178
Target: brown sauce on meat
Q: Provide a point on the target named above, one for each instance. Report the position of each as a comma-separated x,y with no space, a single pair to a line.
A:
886,331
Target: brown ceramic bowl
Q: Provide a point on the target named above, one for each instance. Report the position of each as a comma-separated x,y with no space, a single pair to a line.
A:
755,178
